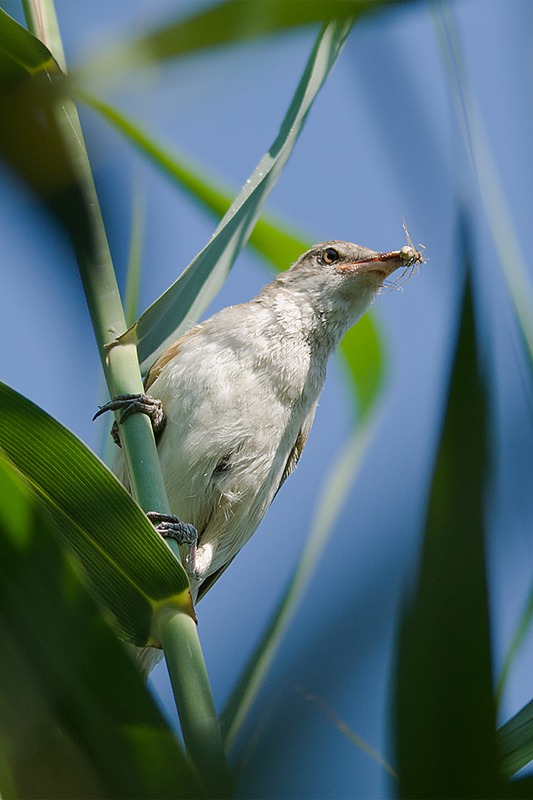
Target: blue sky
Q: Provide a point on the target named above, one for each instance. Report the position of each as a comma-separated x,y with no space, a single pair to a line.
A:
381,143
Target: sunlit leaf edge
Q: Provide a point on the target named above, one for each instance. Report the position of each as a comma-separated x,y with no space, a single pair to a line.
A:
45,452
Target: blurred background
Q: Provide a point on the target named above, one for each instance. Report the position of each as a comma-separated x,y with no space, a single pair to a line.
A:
382,142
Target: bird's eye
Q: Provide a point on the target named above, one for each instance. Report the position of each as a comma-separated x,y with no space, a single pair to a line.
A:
330,255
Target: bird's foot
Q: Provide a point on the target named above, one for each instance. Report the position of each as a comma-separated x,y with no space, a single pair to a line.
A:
134,404
170,527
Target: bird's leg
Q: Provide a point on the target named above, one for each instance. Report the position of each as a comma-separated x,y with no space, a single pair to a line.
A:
133,404
196,560
170,527
167,525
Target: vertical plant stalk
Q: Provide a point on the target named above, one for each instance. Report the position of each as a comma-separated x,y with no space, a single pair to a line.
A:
121,368
131,298
192,692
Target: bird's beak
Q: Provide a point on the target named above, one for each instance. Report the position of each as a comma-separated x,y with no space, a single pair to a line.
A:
384,264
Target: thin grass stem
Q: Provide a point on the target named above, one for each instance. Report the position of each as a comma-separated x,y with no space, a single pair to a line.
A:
121,368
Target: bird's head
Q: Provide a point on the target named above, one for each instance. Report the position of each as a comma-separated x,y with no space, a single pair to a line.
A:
340,279
350,267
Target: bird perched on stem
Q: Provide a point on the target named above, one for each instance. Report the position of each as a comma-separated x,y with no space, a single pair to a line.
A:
232,401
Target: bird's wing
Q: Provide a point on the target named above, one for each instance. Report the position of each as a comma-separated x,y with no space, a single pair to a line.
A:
294,457
166,356
299,444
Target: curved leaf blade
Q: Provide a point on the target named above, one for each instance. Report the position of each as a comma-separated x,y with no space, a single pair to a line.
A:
361,347
197,286
129,567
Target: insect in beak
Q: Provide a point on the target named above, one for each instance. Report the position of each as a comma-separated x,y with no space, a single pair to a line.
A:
384,264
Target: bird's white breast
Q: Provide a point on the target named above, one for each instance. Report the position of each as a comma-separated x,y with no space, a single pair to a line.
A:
236,397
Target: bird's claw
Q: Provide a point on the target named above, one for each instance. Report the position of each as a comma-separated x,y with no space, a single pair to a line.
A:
133,404
170,527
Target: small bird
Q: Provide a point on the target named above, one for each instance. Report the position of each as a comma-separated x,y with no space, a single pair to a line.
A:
233,400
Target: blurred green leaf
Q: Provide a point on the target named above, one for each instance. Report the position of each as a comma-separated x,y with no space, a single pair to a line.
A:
224,23
516,741
129,567
270,237
21,54
364,356
199,283
32,137
444,705
75,718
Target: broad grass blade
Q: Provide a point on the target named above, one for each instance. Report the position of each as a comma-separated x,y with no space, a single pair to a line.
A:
444,706
75,718
128,566
220,24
